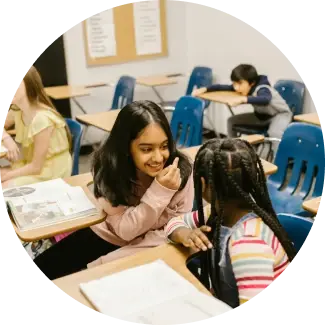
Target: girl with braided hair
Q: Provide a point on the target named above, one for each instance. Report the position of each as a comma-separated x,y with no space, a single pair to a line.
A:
238,238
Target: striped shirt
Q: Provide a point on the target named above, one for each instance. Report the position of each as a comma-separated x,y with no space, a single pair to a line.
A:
257,257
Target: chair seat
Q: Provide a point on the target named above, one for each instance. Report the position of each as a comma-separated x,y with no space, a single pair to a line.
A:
250,129
284,202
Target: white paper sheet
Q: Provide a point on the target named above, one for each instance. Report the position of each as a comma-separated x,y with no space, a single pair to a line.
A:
151,294
147,27
101,35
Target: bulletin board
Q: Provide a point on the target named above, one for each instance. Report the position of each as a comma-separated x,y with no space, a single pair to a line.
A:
136,31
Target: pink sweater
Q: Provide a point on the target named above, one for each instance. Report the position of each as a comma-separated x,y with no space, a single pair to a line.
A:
142,225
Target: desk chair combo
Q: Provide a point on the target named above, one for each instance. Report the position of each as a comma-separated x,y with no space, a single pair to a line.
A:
123,94
301,162
293,93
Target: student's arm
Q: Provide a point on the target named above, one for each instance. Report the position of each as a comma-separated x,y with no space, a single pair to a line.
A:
131,222
10,120
41,146
189,220
263,97
253,265
218,87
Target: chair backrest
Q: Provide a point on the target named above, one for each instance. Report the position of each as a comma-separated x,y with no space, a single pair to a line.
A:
187,121
293,93
124,92
296,227
200,77
76,133
301,147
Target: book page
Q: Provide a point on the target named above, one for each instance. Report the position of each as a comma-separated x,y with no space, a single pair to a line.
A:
35,192
142,293
189,308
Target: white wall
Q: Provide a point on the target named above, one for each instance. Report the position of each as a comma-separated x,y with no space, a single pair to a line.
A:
197,35
80,73
221,41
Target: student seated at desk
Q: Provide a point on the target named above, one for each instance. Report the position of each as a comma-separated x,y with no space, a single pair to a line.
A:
270,109
141,181
42,133
246,246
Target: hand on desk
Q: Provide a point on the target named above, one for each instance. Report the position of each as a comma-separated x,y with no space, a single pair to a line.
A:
199,91
236,100
13,150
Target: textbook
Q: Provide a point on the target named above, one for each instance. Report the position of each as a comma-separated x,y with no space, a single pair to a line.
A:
47,203
151,294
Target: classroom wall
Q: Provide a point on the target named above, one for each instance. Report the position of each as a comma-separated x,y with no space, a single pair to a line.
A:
221,41
197,35
100,100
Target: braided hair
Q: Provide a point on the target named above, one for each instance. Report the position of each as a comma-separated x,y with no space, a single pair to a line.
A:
232,170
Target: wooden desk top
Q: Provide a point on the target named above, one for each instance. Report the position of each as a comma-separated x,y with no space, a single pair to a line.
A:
311,118
52,230
269,168
174,256
153,81
219,96
312,205
65,92
104,120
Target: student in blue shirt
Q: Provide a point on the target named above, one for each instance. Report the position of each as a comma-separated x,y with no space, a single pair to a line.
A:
270,109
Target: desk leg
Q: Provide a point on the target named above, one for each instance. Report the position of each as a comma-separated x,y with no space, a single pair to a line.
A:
79,105
230,110
157,94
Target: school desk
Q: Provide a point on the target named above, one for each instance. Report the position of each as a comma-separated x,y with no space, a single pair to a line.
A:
11,132
174,256
312,205
311,118
156,81
103,120
220,97
49,231
269,168
68,92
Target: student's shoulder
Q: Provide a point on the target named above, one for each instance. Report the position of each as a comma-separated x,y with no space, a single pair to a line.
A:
47,117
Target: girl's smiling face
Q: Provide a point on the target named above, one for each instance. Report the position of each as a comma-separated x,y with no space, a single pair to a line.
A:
150,150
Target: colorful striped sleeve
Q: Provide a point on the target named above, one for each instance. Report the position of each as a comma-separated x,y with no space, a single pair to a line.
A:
253,265
188,220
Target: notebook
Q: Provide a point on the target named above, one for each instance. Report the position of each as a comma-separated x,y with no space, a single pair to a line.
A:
47,203
151,294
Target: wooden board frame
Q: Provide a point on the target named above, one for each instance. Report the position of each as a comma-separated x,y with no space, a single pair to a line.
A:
125,37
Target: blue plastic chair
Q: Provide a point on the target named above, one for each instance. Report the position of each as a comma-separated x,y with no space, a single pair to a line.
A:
300,151
296,227
76,133
187,121
124,92
200,77
292,92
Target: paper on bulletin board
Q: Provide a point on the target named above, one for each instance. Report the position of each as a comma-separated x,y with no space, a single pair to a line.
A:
147,27
101,35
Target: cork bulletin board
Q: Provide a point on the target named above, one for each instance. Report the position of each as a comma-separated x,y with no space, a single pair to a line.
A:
136,31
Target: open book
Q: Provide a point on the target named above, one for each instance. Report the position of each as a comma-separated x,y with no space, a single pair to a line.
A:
46,203
151,294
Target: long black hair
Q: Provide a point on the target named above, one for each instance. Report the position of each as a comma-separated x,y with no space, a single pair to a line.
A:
113,167
232,170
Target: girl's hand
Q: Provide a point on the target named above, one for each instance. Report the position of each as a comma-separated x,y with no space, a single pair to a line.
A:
13,150
170,177
199,91
196,238
4,174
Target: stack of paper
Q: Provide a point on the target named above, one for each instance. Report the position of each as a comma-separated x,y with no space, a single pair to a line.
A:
151,294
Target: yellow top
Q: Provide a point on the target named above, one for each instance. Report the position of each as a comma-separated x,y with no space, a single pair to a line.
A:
58,159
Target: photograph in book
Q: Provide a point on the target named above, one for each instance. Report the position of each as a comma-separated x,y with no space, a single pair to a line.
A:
42,205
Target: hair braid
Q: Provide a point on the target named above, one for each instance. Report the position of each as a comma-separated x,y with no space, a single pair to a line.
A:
272,222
